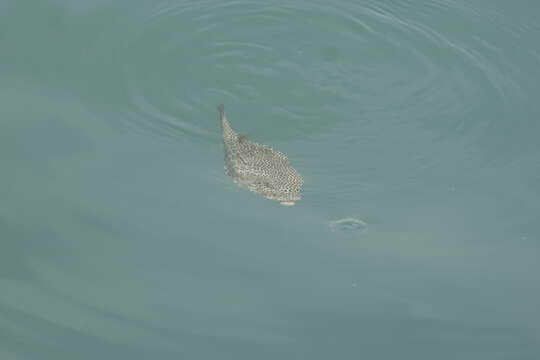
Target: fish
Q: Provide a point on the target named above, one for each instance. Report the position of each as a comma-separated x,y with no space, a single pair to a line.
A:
259,168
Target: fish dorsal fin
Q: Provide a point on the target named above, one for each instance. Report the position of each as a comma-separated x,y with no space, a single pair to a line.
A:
242,136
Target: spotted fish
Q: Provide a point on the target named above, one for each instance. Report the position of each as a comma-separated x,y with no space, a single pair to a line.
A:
259,168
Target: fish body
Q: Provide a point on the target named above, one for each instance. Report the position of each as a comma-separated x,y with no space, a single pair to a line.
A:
259,168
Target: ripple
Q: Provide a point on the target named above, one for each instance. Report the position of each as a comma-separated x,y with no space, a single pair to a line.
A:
359,75
348,224
433,103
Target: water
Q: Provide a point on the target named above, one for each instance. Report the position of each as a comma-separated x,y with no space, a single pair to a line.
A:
415,126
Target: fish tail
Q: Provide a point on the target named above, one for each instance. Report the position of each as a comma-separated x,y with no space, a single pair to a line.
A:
221,109
228,133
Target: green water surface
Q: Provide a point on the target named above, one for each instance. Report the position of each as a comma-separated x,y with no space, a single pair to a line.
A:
415,125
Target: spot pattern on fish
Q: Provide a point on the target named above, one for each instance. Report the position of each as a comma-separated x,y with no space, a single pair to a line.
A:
259,168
